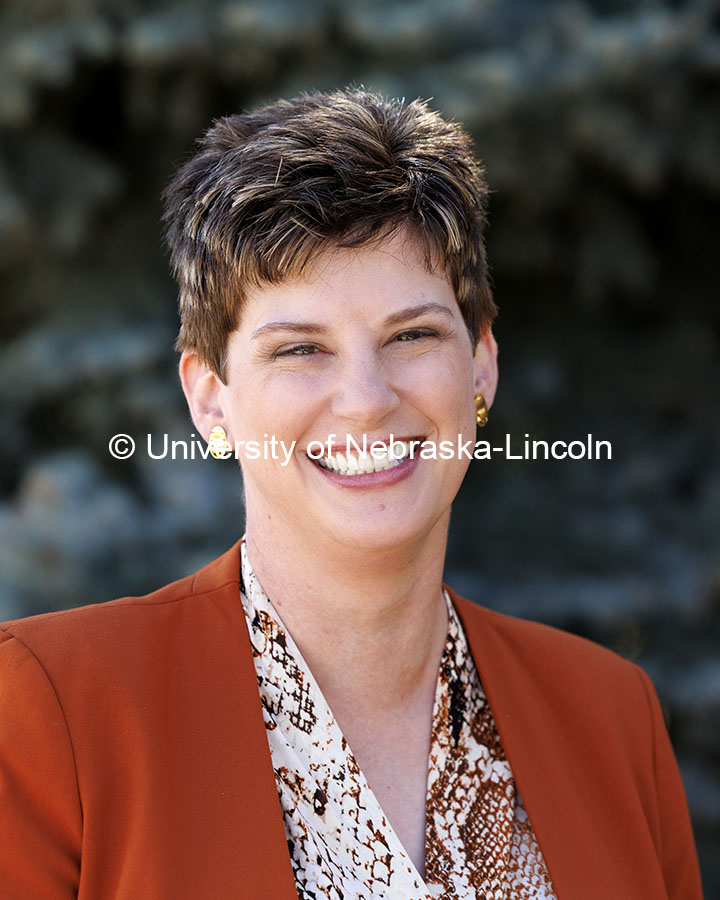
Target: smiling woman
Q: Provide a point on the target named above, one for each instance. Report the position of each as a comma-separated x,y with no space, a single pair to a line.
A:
315,714
361,351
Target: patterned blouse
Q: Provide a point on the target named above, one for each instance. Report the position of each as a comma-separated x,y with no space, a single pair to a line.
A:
479,842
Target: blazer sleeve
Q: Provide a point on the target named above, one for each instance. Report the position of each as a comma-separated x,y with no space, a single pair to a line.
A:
677,846
40,813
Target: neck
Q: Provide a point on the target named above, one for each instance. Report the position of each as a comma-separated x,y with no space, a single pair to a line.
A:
370,624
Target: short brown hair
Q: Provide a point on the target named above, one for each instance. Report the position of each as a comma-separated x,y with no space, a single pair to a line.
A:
269,189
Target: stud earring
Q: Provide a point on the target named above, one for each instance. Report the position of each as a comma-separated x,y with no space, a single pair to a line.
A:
218,443
481,411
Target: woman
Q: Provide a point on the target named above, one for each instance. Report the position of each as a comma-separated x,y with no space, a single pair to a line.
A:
333,296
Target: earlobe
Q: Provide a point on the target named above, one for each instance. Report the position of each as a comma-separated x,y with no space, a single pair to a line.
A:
202,388
485,366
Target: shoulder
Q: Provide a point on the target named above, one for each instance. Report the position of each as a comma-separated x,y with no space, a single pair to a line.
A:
99,631
115,677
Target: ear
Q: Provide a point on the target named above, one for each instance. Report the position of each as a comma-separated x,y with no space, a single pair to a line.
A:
485,366
202,389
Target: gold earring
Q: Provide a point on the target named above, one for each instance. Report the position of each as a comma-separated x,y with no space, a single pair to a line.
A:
219,445
481,411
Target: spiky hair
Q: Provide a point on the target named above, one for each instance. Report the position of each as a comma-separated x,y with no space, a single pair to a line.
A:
271,188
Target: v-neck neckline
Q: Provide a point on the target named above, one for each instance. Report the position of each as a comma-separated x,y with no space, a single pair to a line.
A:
413,884
298,719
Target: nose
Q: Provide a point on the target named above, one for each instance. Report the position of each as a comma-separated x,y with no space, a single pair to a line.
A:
363,394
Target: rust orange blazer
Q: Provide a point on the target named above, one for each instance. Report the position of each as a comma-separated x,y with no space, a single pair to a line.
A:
134,763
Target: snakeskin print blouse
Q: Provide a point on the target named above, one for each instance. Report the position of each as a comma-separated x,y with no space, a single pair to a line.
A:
479,842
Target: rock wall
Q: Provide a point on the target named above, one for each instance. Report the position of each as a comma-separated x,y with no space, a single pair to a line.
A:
599,123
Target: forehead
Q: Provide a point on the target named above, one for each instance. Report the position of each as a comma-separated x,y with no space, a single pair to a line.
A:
373,279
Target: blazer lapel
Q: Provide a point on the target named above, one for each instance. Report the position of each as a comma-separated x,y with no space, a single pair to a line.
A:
576,789
255,854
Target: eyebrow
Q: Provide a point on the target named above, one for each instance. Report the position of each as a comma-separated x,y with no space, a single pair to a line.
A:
403,315
300,327
412,312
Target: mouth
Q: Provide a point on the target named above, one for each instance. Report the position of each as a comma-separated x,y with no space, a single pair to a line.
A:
351,463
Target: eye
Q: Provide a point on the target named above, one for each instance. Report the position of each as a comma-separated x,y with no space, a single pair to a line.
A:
296,350
414,334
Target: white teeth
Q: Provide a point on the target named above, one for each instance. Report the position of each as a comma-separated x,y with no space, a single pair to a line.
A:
365,463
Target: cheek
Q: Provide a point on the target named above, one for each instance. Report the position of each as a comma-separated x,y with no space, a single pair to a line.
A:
446,385
272,406
263,421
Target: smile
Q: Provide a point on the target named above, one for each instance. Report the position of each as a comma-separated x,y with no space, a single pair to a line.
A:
362,463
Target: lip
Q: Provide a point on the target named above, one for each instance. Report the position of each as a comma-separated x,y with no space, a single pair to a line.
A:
370,479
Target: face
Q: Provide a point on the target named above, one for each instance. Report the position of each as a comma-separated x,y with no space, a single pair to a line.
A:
367,345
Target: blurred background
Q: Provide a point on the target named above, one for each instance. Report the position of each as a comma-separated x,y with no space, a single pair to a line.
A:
599,123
